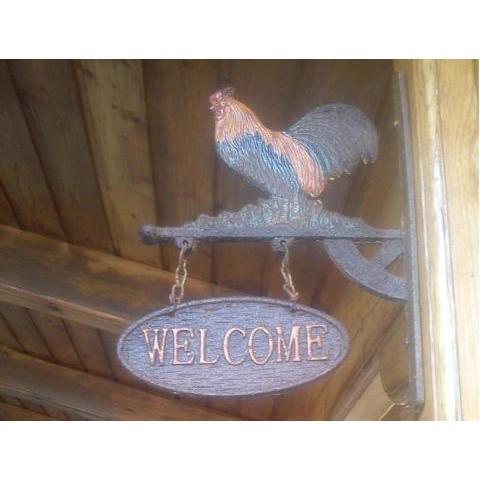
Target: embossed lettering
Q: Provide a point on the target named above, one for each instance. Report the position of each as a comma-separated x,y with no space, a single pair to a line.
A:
181,346
226,350
250,345
203,355
316,340
158,350
293,343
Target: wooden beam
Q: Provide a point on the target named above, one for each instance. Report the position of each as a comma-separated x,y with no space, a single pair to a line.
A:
443,100
14,413
81,284
92,397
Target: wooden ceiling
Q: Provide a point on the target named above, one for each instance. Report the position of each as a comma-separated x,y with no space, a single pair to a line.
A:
90,151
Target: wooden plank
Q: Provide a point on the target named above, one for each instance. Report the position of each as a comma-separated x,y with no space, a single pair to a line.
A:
16,413
32,408
7,217
53,331
458,91
181,132
7,337
352,401
398,412
89,348
81,284
30,341
90,396
54,340
380,388
9,400
21,173
44,409
46,337
374,403
48,93
24,330
113,101
443,100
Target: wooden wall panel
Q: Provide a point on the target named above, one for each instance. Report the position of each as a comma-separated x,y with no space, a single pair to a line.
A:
56,337
29,340
48,93
7,337
113,101
181,136
21,173
25,330
89,347
7,217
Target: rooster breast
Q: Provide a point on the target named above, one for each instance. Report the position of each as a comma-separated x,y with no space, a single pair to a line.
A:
273,162
250,156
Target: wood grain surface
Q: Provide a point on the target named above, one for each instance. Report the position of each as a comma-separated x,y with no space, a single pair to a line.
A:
443,97
90,396
81,284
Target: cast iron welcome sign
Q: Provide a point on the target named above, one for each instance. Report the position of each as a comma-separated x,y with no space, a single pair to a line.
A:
233,347
228,347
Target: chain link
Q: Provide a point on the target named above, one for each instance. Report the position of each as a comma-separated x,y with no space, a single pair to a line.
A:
288,286
178,288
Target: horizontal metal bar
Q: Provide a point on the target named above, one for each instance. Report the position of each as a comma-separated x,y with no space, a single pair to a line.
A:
151,234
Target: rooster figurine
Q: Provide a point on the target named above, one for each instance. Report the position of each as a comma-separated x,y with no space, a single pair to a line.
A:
324,144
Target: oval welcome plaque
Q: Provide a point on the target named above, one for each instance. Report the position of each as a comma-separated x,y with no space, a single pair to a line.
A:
228,347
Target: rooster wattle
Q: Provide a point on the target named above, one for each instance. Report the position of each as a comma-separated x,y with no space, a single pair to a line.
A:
325,143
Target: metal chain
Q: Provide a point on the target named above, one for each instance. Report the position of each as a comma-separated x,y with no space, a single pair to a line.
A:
178,288
288,286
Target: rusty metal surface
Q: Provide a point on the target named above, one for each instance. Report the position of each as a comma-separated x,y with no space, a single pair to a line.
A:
414,339
370,274
296,217
233,347
301,219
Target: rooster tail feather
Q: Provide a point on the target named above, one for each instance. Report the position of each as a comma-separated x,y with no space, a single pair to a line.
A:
338,137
